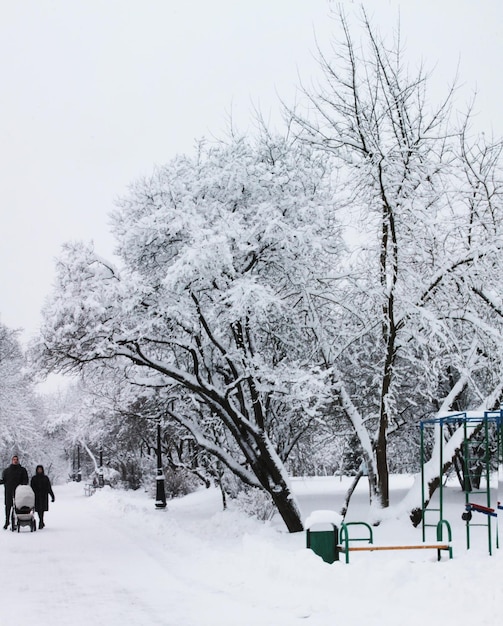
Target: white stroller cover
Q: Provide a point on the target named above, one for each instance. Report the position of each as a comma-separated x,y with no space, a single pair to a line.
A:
24,496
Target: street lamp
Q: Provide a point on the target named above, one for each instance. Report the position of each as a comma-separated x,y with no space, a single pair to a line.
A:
79,471
160,492
101,478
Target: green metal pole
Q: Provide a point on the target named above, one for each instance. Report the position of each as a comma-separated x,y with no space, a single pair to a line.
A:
422,482
488,483
499,494
466,478
441,493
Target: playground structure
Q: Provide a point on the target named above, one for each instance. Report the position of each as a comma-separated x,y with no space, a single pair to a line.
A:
475,441
478,440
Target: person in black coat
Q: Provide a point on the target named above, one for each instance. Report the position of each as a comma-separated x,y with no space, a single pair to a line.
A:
12,476
42,488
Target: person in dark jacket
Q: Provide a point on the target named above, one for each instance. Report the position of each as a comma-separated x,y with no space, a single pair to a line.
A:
42,489
12,476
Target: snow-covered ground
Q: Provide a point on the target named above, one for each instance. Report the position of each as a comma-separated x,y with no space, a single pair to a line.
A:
112,559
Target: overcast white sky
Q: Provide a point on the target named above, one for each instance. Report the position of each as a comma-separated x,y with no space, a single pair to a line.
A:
94,93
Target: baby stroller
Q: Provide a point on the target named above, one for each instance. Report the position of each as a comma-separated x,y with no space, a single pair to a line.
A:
23,511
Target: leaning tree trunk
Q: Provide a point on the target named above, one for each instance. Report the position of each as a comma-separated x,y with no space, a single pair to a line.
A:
288,509
268,468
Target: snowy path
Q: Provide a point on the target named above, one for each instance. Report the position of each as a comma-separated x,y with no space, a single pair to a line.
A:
82,568
93,564
97,563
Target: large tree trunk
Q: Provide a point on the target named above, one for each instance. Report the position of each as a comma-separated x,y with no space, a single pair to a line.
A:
388,269
288,509
268,468
382,468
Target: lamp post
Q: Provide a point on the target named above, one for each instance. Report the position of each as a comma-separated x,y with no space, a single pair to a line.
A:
101,479
160,492
79,471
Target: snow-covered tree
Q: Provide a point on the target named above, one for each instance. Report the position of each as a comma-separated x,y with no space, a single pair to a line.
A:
421,306
21,411
217,250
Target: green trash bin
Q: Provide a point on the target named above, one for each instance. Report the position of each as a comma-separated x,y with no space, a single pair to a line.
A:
322,529
324,543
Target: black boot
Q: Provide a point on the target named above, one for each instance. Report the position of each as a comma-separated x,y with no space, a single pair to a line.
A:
41,522
7,517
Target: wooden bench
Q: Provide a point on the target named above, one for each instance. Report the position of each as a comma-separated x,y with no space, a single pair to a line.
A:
420,546
371,547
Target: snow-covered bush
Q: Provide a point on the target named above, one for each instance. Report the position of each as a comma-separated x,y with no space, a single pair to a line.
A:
255,502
